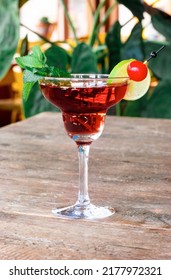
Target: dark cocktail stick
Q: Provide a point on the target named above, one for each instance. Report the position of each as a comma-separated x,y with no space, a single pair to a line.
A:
154,54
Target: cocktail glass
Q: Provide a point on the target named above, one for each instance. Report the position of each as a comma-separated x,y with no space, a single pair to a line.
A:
84,100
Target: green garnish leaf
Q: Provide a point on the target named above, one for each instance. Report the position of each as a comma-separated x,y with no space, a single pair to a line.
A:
35,67
36,59
26,89
56,72
30,76
29,79
39,54
41,71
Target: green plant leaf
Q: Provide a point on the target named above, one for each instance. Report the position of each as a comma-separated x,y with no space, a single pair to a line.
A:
135,6
29,76
36,59
113,42
162,23
37,53
95,29
36,103
26,89
56,72
83,59
9,33
24,49
101,54
70,22
135,108
133,47
35,67
159,104
56,56
160,20
161,65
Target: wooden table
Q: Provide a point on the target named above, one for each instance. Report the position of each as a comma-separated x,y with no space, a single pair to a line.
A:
129,168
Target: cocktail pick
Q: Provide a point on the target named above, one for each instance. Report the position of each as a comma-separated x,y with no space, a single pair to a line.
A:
154,54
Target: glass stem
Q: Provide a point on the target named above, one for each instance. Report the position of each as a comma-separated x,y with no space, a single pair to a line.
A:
83,154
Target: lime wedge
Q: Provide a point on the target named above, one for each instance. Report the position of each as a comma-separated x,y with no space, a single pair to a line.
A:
120,70
135,89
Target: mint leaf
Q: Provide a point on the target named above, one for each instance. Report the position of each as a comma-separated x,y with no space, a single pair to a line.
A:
35,67
44,71
39,54
28,62
29,79
26,89
29,76
56,72
36,59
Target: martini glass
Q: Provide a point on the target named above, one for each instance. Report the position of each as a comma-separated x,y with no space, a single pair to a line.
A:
84,100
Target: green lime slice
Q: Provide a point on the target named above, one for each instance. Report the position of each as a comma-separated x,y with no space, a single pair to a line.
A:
135,89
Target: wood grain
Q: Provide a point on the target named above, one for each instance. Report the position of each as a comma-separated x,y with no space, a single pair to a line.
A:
129,169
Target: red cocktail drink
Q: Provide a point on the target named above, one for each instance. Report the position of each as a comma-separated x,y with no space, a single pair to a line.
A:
84,100
84,104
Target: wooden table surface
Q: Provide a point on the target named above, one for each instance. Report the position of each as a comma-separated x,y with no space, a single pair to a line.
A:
129,169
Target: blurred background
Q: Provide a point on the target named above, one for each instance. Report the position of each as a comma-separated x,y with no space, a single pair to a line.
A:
105,32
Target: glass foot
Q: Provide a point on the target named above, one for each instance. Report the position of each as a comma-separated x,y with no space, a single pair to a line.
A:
89,211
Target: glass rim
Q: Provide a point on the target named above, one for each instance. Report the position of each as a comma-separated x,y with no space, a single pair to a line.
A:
84,77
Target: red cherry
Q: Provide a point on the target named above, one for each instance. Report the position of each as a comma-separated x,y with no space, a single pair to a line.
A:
137,70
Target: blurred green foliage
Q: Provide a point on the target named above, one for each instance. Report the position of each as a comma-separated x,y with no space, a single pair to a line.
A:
95,56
